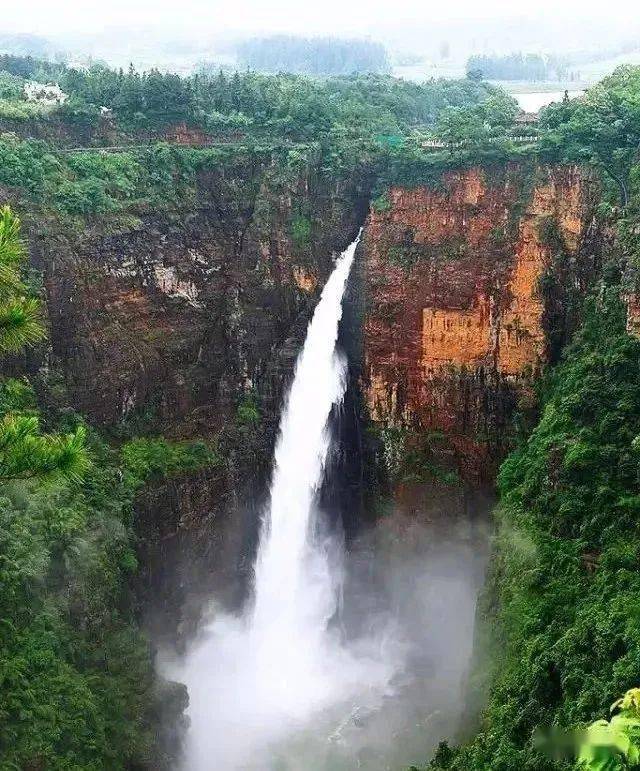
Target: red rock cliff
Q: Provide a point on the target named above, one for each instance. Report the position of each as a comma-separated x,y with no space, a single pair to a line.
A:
455,315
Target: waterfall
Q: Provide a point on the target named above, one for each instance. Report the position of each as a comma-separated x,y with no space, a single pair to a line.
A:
257,679
294,585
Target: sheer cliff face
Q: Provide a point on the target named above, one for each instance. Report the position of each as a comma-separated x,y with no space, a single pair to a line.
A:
463,285
174,319
169,324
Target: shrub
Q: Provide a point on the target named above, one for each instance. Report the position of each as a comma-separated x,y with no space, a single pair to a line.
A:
300,231
381,203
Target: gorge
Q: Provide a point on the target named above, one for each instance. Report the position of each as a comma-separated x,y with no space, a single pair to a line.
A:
278,666
320,670
318,441
445,331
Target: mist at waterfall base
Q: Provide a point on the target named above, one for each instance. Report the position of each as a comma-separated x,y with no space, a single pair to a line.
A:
343,658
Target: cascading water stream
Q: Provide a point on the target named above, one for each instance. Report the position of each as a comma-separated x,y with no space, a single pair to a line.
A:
254,680
282,686
294,583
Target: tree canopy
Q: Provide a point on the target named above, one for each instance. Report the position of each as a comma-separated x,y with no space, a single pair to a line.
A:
602,128
517,66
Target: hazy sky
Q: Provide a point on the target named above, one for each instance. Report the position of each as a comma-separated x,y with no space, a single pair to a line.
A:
56,17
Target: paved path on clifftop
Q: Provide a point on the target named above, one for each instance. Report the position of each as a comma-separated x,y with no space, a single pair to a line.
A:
436,144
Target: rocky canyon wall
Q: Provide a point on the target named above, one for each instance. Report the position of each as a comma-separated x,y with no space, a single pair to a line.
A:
174,317
471,285
185,323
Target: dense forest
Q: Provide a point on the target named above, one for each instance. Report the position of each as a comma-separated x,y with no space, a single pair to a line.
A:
313,56
560,609
284,106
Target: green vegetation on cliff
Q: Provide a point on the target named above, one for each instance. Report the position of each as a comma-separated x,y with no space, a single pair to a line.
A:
562,599
90,184
560,616
601,129
77,687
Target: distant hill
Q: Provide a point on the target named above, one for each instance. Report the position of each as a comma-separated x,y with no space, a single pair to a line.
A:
27,45
595,68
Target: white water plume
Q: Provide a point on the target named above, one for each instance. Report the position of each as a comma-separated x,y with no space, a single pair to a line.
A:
258,680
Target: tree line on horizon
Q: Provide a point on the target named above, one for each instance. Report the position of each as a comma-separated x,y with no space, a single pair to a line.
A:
318,56
290,106
518,66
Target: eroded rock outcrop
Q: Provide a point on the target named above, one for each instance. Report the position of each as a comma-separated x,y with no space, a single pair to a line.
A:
177,316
